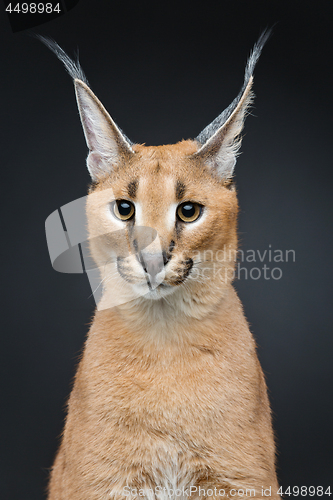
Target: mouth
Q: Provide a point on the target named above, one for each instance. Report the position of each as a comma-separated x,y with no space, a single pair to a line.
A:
161,286
160,292
153,285
181,274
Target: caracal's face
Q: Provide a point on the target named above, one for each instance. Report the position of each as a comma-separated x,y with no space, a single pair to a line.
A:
158,220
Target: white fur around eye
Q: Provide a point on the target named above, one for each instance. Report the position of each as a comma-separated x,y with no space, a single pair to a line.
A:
138,214
194,225
111,216
170,217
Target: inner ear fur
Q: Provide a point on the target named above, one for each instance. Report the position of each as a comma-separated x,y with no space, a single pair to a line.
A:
220,152
220,141
104,139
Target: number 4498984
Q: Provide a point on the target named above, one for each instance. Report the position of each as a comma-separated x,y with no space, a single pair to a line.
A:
33,8
305,491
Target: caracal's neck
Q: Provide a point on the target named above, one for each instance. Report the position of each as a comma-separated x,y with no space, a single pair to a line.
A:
180,317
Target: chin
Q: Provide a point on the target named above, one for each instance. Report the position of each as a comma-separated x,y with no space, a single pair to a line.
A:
158,293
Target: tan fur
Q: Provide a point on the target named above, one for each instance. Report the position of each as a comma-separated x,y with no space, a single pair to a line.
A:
169,391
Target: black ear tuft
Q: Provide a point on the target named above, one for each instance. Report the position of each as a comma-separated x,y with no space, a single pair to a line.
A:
73,68
105,141
210,130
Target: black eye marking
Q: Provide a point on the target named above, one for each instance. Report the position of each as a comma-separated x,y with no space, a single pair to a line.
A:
179,228
167,255
135,245
180,190
132,188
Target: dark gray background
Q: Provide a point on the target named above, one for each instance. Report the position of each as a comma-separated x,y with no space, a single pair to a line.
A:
164,71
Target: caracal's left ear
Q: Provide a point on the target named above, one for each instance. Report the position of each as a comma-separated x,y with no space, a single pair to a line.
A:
220,141
106,142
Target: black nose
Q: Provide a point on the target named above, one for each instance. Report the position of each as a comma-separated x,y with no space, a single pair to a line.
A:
152,263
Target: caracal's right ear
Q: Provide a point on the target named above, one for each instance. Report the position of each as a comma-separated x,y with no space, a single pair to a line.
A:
106,142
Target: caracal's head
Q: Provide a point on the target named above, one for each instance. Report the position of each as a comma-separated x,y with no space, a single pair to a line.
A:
162,220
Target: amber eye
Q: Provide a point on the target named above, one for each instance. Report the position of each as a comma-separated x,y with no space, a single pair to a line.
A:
123,209
189,212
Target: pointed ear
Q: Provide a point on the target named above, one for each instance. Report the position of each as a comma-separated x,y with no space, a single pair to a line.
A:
220,141
106,143
221,149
